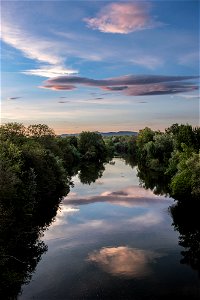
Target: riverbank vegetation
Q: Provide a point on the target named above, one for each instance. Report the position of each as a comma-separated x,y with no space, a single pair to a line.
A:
36,167
35,163
35,173
175,155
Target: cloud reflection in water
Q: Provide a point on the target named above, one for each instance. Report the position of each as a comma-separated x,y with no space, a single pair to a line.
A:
124,261
132,196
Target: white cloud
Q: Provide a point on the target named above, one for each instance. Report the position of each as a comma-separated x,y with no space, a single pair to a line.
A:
64,213
148,219
189,58
190,96
32,47
150,62
37,48
50,71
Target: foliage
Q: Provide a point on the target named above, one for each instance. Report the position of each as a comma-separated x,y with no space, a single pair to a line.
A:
174,154
121,145
144,137
185,134
10,168
32,182
91,146
14,132
40,130
186,181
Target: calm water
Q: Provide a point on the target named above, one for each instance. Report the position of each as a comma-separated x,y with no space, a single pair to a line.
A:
112,239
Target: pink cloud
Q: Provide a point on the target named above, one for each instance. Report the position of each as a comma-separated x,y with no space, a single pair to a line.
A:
124,261
123,18
159,89
129,197
130,85
59,87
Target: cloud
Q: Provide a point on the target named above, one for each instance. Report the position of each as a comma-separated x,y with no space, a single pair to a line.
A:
60,87
32,47
123,18
128,197
189,58
131,85
115,88
63,215
50,71
190,96
147,61
160,89
63,101
124,261
13,98
146,220
37,48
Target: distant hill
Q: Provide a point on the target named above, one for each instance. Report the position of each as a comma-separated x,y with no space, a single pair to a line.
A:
118,133
110,133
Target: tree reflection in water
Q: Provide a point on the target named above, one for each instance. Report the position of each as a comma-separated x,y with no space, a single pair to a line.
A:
185,215
130,160
154,181
90,172
21,227
22,224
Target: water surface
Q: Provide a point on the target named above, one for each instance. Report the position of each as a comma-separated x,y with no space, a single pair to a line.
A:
112,239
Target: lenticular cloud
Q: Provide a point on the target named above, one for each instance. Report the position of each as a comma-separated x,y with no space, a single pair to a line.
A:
130,85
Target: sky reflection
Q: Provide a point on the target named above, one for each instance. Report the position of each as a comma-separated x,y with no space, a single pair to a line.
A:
113,247
132,196
124,261
99,210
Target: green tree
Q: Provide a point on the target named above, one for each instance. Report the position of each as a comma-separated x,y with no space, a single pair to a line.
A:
14,132
186,182
69,153
158,152
145,136
10,169
40,130
91,146
182,134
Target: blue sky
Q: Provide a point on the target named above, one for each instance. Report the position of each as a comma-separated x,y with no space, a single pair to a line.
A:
100,65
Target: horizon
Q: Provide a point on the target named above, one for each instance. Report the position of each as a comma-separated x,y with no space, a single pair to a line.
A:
100,65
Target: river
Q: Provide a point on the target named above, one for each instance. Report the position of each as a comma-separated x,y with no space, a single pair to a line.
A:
112,239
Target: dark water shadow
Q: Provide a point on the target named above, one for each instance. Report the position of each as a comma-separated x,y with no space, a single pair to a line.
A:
89,172
184,213
22,225
186,221
21,228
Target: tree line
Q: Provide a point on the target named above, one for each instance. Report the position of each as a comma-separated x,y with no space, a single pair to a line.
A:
36,162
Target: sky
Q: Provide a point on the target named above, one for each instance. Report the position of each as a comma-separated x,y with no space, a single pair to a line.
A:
100,65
